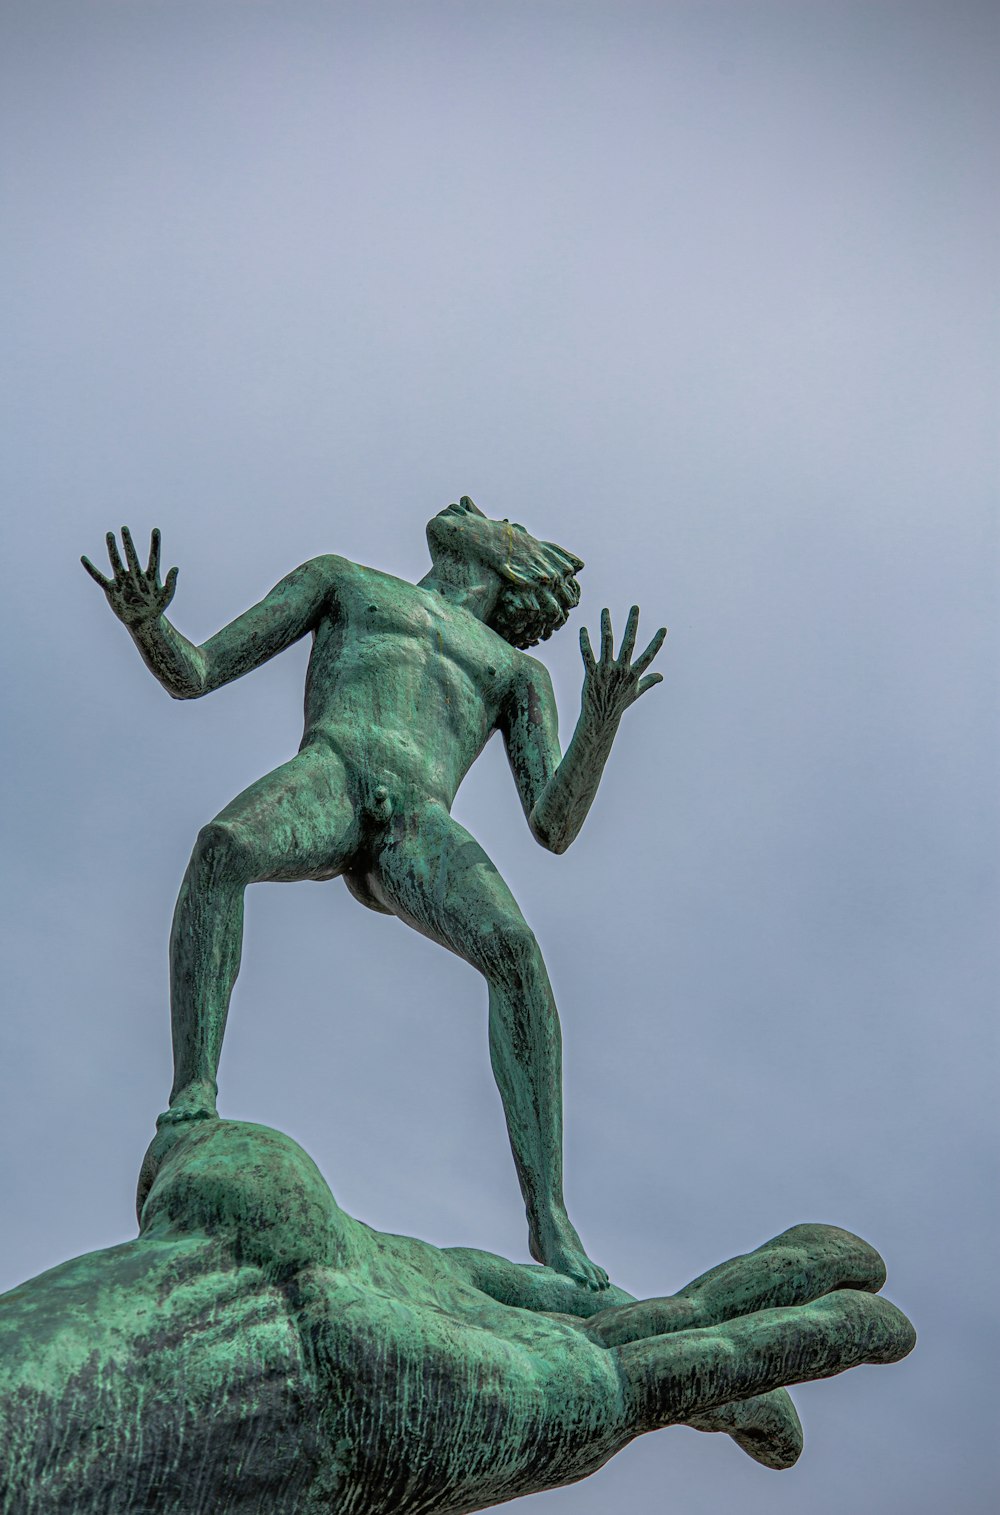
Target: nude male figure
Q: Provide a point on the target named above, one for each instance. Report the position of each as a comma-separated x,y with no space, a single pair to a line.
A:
406,683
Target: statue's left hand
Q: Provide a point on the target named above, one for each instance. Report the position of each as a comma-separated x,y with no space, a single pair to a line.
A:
612,684
134,593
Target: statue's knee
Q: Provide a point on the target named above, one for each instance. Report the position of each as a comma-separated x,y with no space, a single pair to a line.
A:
516,959
221,851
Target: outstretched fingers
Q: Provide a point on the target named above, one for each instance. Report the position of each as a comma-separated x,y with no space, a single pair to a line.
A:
607,641
131,556
644,659
672,1378
766,1427
153,566
800,1265
117,566
628,639
134,593
131,568
96,575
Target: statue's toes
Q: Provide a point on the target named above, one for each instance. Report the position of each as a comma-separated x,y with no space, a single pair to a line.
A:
557,1245
577,1265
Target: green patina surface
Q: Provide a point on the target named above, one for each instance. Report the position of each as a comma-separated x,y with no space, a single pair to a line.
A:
255,1351
406,684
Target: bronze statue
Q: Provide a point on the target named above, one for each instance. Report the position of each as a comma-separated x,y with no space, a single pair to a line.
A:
254,1348
406,684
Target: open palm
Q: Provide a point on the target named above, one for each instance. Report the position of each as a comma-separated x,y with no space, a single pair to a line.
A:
134,593
257,1348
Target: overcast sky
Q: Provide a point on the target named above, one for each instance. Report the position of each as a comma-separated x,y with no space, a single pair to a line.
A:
706,293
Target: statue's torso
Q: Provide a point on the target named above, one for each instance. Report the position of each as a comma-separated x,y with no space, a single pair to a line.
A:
406,686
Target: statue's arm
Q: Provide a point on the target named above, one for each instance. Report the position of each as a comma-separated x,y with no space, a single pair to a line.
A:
187,671
558,792
286,613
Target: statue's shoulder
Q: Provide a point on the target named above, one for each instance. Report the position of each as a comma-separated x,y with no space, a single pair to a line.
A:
530,671
528,685
335,567
338,576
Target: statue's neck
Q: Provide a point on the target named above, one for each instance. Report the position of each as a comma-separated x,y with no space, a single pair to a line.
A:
473,586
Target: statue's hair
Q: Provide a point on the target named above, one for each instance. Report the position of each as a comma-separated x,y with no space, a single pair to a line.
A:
539,589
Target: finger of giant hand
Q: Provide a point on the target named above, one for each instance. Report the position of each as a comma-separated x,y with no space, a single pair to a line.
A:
800,1265
766,1427
670,1378
587,650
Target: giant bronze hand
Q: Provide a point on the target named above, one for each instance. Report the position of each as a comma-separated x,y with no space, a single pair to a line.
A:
256,1348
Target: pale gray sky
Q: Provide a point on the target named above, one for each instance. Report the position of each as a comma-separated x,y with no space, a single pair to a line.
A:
706,292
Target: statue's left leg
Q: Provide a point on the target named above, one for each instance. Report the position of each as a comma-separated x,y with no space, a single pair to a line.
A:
432,874
298,822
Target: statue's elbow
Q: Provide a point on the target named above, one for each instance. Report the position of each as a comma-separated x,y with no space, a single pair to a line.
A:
190,691
552,841
192,682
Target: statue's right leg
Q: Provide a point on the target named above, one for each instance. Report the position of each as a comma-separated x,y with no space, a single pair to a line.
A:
298,822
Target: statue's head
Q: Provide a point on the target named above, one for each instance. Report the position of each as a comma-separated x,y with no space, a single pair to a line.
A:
538,588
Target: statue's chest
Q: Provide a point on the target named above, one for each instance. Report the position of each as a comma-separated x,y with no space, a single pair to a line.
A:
385,607
379,605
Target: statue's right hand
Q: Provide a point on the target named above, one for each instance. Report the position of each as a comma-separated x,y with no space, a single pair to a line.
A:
134,593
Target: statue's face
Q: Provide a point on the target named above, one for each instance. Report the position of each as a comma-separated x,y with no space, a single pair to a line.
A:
463,531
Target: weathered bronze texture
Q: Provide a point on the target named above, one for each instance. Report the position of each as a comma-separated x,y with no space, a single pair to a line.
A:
255,1351
406,684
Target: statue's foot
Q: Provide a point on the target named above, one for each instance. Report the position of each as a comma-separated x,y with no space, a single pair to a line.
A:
556,1244
194,1103
767,1427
